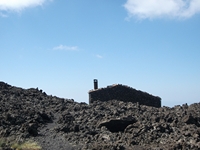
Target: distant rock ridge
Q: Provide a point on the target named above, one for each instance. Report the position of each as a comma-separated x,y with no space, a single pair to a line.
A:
124,93
4,85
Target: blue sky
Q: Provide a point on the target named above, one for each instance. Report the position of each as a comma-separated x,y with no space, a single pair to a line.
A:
60,46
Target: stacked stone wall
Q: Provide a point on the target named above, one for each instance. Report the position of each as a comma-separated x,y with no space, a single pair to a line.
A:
124,93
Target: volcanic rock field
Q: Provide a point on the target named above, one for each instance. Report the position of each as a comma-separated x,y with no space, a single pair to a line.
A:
63,124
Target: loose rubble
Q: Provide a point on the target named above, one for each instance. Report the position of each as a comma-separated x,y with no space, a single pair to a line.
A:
112,125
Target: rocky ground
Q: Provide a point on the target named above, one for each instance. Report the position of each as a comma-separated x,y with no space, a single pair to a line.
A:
62,124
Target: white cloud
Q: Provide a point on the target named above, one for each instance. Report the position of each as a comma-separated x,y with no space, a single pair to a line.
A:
66,48
149,9
17,5
99,56
3,15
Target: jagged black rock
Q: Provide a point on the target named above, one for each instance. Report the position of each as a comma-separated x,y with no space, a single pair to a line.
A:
62,124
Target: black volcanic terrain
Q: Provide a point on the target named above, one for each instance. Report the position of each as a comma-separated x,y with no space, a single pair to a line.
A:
62,124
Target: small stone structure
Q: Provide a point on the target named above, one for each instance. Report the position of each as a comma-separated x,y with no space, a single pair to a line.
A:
124,93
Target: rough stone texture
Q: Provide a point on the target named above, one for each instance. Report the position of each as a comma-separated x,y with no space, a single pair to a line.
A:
124,93
62,124
31,114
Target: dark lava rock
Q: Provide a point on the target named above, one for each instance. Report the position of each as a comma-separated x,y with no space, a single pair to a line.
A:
117,125
62,124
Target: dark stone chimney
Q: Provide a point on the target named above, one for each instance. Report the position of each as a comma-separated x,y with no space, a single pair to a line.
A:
95,84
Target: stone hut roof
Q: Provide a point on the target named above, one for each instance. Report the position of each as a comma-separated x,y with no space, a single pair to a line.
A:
124,93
